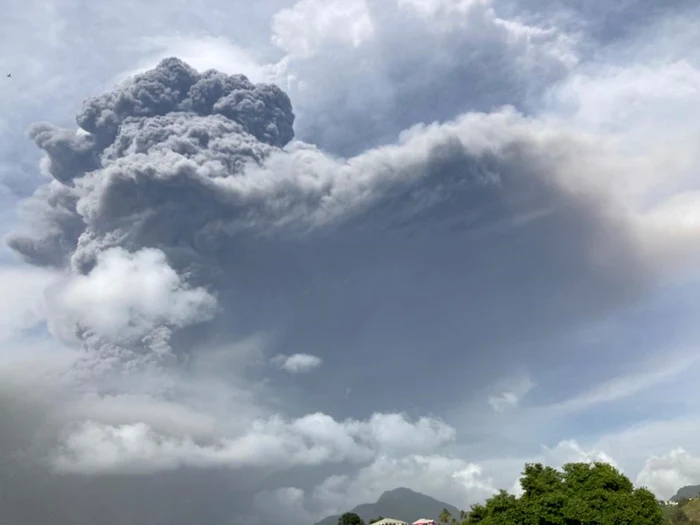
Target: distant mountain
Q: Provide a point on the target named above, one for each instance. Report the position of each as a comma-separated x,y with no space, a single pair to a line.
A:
691,491
401,504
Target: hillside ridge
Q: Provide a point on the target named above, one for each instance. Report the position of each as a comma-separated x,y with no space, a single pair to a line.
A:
401,503
689,491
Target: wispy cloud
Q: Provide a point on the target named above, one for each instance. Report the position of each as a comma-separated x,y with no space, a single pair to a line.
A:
510,393
656,372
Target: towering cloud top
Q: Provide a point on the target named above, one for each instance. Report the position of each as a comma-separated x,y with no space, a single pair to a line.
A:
169,129
263,110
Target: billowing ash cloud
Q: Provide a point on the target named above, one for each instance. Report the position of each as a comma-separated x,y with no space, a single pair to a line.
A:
132,197
335,257
166,127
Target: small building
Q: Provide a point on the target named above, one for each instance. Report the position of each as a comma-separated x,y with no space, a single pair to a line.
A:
389,521
424,521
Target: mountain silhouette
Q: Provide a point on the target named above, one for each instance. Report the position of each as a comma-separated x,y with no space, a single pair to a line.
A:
689,491
401,504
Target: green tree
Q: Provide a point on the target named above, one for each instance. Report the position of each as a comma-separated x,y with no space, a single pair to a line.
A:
350,518
445,517
463,516
501,509
579,494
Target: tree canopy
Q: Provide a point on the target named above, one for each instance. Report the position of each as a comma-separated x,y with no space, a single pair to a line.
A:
579,494
350,518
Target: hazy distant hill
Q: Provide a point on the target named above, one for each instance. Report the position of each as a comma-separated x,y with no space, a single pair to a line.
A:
401,504
691,491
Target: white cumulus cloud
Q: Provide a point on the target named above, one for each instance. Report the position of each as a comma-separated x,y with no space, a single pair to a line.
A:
665,474
275,442
126,295
297,363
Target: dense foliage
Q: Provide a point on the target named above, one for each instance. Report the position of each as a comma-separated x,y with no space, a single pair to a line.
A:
350,518
580,494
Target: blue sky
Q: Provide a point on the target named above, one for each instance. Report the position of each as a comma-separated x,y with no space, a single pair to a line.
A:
478,250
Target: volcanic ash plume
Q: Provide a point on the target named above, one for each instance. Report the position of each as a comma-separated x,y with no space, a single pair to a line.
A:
133,195
153,152
182,197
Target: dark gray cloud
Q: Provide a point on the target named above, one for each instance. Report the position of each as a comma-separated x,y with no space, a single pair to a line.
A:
36,411
32,493
169,109
263,110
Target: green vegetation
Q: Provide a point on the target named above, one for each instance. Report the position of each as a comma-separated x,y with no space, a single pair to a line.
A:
688,492
447,519
580,494
350,518
692,510
687,511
